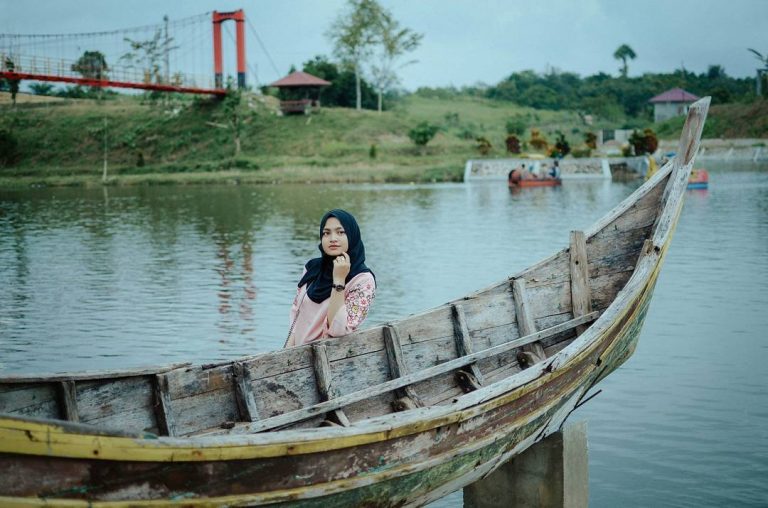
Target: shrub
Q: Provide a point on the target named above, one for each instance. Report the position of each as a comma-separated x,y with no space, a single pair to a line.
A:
537,141
561,148
581,151
515,126
513,144
590,139
372,151
645,143
9,149
483,145
423,133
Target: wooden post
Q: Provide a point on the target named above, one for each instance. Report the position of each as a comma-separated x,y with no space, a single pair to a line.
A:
526,325
552,473
407,398
68,398
246,404
470,378
580,295
322,368
165,421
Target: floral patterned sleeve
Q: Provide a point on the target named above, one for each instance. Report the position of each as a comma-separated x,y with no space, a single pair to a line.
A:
357,301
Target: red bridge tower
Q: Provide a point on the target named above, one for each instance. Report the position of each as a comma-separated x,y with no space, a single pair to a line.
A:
218,18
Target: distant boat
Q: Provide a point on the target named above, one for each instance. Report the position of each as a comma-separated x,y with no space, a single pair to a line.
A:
537,182
518,179
395,415
699,179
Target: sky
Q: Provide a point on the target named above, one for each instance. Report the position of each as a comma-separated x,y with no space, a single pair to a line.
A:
465,42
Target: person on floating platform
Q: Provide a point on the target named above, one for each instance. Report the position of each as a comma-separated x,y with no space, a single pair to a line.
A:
554,171
337,289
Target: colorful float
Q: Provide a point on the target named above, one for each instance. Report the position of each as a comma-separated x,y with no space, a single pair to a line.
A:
699,179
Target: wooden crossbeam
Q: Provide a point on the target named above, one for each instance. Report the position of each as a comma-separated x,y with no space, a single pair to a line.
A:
165,421
526,325
68,398
472,378
394,384
246,403
581,300
323,377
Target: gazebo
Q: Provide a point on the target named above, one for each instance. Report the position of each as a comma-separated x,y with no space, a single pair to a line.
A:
301,91
674,102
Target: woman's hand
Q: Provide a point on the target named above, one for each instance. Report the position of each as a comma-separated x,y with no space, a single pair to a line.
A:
341,266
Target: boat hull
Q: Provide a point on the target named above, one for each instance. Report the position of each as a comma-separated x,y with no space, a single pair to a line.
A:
539,182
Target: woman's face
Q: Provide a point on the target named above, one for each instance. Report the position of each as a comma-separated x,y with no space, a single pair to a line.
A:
334,239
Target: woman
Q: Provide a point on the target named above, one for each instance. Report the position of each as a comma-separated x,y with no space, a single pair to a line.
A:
337,289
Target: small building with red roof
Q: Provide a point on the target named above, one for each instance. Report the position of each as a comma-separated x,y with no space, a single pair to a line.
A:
299,92
672,103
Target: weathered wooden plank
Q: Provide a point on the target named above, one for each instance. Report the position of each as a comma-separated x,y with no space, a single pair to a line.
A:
285,392
397,366
525,320
605,287
580,295
68,400
369,408
90,375
394,384
324,381
163,412
201,397
204,411
34,400
358,372
246,403
126,403
464,344
196,380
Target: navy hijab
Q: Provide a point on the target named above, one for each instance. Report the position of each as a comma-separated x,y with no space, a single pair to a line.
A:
320,270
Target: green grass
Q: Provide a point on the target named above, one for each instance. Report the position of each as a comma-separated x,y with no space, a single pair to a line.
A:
184,142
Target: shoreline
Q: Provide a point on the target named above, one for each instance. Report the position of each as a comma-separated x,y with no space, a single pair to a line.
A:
360,173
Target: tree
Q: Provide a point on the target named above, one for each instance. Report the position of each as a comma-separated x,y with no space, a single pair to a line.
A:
41,88
148,54
623,53
423,133
341,92
13,84
760,72
231,108
353,34
395,42
91,65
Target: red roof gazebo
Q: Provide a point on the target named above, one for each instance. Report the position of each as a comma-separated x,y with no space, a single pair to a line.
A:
302,90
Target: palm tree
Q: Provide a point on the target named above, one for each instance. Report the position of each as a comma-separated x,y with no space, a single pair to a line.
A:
622,53
759,79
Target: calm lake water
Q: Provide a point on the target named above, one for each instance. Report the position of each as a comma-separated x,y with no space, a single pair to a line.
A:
124,277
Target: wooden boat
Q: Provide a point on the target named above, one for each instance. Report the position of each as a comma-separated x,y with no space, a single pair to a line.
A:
699,179
536,182
395,415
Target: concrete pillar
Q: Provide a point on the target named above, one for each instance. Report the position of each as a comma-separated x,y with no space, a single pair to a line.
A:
553,473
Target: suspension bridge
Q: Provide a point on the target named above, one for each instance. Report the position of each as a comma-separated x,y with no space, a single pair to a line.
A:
185,55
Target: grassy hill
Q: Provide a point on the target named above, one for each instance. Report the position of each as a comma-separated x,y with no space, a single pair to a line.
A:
62,142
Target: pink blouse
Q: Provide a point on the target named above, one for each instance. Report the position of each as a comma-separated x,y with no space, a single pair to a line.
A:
312,324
